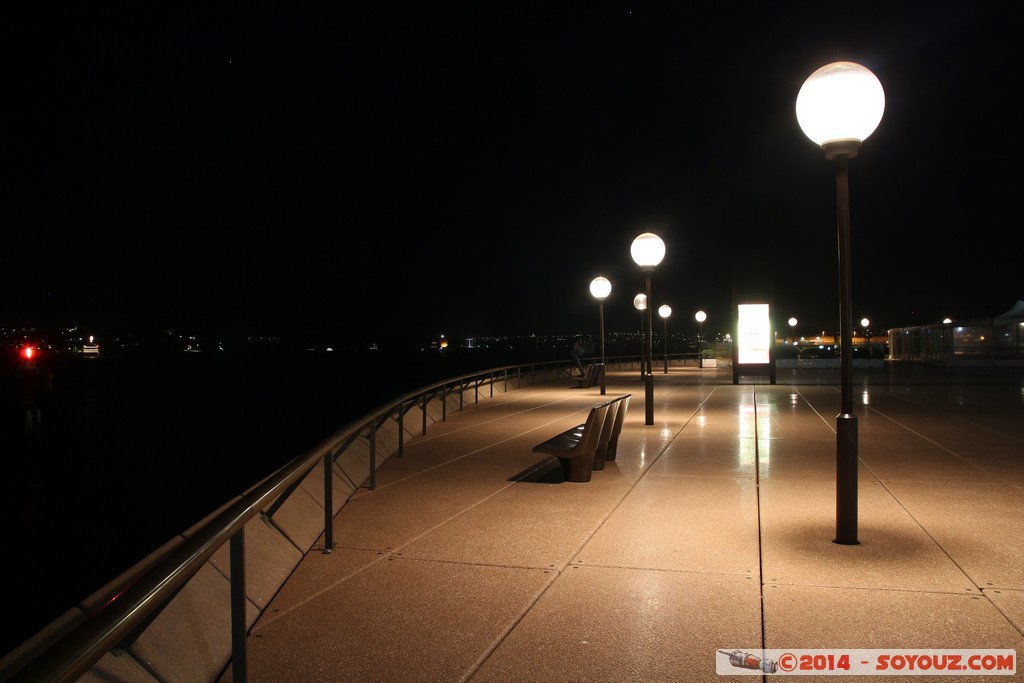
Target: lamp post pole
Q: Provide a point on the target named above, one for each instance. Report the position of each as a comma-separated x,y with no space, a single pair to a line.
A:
838,107
600,288
649,376
648,250
640,304
665,311
792,327
700,317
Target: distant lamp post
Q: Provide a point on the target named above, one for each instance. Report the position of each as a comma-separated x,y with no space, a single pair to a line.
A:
665,311
792,327
600,288
640,304
647,251
838,107
700,317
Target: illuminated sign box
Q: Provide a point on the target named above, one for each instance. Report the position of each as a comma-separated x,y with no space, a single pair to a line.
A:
754,340
754,334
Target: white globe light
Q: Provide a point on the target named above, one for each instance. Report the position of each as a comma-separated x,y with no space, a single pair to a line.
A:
600,287
700,316
640,302
840,102
665,311
792,322
647,250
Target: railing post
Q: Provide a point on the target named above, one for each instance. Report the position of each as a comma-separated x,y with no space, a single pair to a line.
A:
373,455
424,432
328,504
401,429
239,668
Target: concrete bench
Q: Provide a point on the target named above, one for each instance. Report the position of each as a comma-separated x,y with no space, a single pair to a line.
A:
586,447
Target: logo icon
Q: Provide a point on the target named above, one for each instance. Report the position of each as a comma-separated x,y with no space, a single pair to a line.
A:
748,660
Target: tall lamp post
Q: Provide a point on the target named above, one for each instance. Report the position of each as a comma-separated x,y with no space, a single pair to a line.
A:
600,288
792,327
838,107
700,317
647,251
640,304
665,311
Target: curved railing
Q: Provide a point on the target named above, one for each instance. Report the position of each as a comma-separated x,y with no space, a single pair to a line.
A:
125,617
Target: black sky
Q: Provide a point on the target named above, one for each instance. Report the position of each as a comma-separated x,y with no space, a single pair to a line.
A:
468,168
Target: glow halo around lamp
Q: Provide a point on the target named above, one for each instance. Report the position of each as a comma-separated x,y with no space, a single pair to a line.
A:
839,106
647,250
600,288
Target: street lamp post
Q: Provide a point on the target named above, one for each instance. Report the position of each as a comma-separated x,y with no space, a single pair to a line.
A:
600,288
640,304
792,327
838,107
647,251
665,311
700,317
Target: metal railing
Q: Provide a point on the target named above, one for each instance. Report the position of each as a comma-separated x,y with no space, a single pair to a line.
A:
114,626
118,623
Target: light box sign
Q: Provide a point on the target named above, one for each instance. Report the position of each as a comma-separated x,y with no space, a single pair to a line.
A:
754,334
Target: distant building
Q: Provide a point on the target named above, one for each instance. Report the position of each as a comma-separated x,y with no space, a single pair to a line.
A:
997,341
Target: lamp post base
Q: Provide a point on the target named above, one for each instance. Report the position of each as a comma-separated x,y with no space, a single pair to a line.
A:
846,479
649,399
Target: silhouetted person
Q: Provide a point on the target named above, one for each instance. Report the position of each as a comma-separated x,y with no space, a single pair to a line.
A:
577,354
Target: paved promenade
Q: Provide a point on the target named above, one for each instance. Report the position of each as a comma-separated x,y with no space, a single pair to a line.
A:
474,560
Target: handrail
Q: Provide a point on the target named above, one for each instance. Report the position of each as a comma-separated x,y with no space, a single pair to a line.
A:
74,653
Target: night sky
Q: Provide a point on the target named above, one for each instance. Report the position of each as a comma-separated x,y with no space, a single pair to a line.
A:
375,169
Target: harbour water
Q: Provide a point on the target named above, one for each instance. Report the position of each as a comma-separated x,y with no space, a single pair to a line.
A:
123,452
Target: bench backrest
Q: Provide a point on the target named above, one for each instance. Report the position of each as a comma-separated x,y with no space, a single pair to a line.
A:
620,416
606,434
592,430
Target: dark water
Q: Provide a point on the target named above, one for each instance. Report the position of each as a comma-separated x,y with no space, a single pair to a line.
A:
129,451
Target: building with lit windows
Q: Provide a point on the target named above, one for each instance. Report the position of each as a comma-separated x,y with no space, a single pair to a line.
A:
997,341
